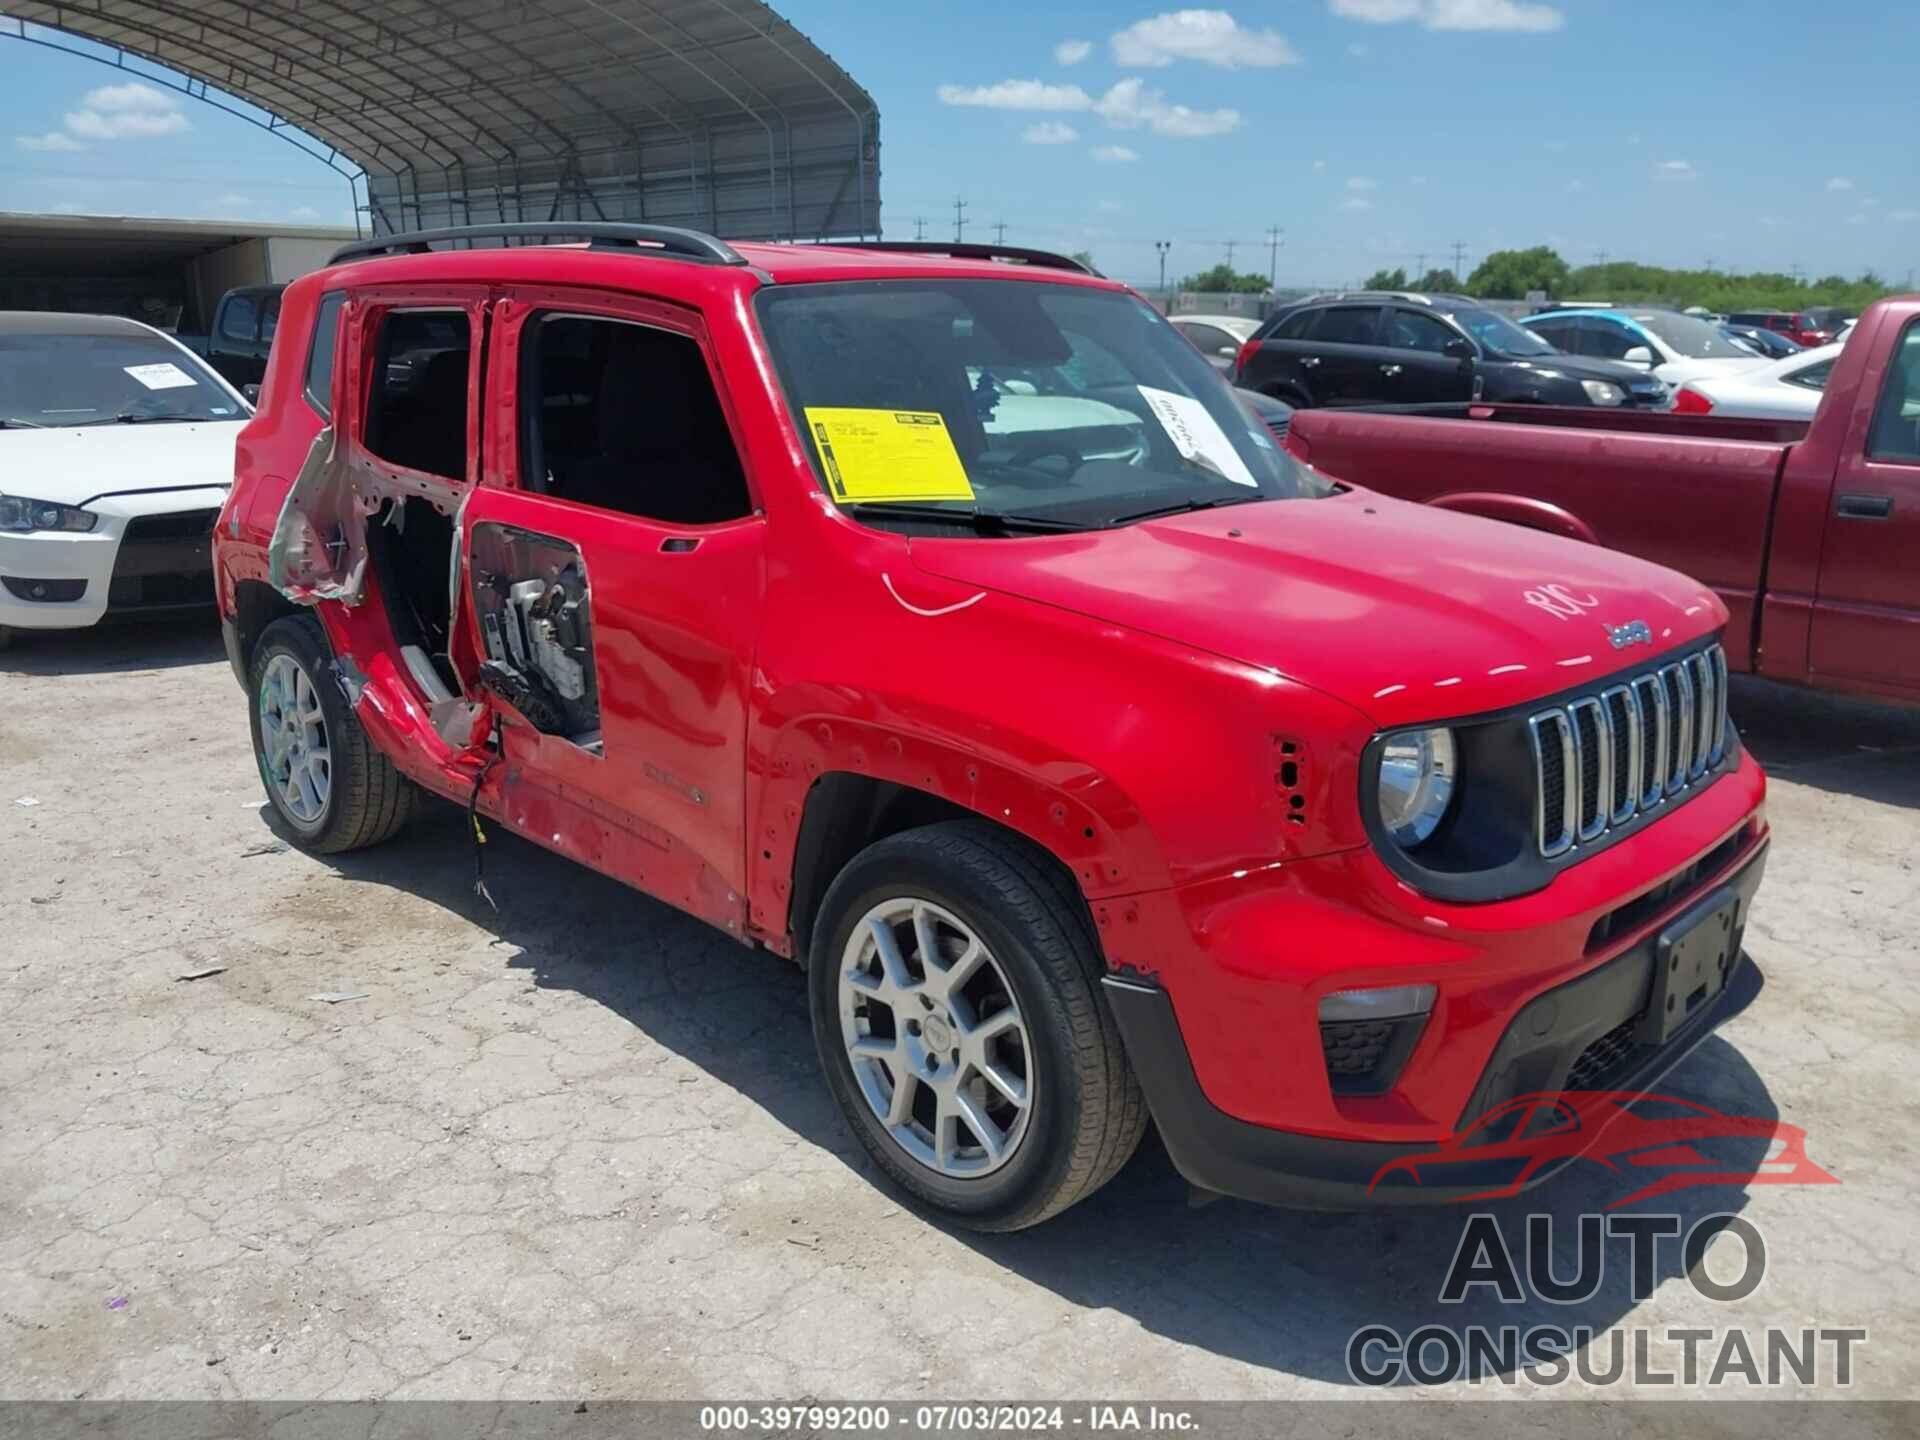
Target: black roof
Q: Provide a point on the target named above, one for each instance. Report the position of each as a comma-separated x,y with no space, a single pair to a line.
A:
54,322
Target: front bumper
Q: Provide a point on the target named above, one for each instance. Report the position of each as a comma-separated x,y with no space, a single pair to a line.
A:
1580,1031
148,552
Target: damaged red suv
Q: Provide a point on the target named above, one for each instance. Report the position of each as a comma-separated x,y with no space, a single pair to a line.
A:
940,622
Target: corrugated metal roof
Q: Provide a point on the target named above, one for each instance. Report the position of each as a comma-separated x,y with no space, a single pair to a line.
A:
714,114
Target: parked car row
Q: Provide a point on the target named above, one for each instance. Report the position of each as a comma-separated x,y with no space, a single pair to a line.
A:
1401,348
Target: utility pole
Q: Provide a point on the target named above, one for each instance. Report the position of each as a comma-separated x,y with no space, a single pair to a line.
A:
1274,232
1709,264
1163,246
959,219
1419,266
1230,245
999,232
1459,259
1601,257
1799,275
919,228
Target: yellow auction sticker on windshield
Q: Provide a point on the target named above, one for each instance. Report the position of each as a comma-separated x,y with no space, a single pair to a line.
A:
887,455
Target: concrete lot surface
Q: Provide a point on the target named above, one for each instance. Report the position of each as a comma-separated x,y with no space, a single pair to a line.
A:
579,1147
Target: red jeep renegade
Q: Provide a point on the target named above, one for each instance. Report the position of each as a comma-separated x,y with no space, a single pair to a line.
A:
940,621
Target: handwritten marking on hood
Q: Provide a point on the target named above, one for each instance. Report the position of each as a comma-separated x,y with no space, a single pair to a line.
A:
1442,684
1559,601
1576,660
1382,694
1505,669
887,580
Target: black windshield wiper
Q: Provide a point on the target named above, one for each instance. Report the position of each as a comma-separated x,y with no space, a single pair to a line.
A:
1205,502
134,417
986,522
7,422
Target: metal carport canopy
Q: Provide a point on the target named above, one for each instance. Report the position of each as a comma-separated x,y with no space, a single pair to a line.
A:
714,114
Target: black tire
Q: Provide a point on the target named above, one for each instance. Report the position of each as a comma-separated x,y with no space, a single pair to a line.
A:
1088,1112
368,800
6,637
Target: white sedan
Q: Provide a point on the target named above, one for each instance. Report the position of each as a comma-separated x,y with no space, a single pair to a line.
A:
1218,337
1787,389
116,454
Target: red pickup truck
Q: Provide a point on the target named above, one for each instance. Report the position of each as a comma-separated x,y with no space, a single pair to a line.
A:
1810,532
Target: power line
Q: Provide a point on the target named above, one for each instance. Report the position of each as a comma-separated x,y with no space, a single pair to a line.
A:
959,219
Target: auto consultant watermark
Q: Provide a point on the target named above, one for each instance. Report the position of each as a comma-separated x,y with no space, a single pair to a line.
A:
1655,1145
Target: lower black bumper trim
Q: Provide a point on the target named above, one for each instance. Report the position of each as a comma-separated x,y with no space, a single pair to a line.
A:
1217,1152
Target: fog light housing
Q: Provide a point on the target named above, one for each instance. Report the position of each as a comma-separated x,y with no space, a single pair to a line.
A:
1390,1002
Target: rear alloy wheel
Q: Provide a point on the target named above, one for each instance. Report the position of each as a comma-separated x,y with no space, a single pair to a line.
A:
954,981
325,780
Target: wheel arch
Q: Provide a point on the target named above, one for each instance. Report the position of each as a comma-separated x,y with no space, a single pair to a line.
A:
256,605
834,786
1521,510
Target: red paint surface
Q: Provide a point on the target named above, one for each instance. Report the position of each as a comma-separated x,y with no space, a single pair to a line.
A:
1748,507
1126,699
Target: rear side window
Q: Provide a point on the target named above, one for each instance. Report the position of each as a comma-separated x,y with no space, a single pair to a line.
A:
326,329
1607,340
625,417
1813,377
417,403
1347,325
1896,423
1558,333
1297,326
239,319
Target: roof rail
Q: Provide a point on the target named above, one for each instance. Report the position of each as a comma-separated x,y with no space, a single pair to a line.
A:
966,250
665,239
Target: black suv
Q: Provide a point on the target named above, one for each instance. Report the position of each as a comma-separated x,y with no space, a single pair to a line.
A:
1395,348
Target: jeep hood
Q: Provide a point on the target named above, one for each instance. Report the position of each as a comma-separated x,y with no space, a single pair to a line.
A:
1405,612
74,464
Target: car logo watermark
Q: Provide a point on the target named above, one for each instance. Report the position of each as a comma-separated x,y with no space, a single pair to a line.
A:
1663,1141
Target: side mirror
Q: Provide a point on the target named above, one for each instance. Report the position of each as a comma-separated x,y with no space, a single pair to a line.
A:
1457,349
252,392
1639,355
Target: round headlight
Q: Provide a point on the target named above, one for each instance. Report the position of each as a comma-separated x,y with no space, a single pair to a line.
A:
1416,783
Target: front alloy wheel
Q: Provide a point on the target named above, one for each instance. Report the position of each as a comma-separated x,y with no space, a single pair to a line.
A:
935,1038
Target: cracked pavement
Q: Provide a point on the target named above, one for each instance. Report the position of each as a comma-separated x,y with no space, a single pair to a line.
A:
579,1148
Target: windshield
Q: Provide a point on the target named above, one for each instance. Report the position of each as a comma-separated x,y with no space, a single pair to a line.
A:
51,380
1694,339
1494,331
1062,405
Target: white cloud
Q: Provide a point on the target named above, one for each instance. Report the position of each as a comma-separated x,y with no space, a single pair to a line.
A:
1357,202
1839,182
1212,37
1903,217
230,203
1576,186
1130,105
52,140
1361,182
1072,52
1856,219
1017,95
1416,180
303,212
1508,15
1114,154
1772,222
1050,132
1357,51
126,112
1319,165
1675,170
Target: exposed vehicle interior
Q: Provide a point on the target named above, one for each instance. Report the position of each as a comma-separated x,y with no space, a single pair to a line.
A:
625,417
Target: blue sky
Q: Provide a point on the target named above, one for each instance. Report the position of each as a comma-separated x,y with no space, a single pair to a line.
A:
1374,132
